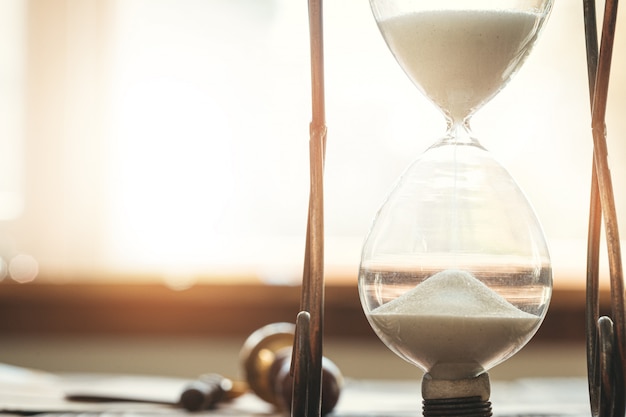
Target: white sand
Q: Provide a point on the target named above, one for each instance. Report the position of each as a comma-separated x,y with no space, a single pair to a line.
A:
460,58
453,326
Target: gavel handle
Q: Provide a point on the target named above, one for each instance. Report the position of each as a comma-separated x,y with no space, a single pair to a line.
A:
205,392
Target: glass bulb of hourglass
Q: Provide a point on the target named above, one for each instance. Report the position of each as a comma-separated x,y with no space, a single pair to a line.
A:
455,273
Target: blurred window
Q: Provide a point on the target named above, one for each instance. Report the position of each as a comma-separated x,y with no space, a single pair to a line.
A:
168,138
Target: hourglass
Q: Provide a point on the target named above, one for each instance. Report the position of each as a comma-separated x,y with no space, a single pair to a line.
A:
455,274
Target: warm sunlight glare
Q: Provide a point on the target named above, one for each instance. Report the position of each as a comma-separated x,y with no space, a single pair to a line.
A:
169,139
12,61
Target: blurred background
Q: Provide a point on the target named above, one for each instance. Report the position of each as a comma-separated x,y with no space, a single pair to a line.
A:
154,177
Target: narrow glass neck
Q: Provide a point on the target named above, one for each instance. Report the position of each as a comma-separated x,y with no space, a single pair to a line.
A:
459,132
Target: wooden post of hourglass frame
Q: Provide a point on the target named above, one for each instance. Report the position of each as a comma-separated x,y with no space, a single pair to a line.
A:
606,337
306,366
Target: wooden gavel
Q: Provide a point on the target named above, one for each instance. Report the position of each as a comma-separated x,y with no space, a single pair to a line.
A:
266,362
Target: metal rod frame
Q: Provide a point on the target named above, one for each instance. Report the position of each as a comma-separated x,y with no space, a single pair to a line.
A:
606,354
307,357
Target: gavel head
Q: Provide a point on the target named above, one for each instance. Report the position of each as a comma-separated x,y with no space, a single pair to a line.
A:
266,360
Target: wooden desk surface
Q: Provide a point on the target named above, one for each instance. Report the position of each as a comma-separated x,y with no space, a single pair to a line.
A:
42,394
